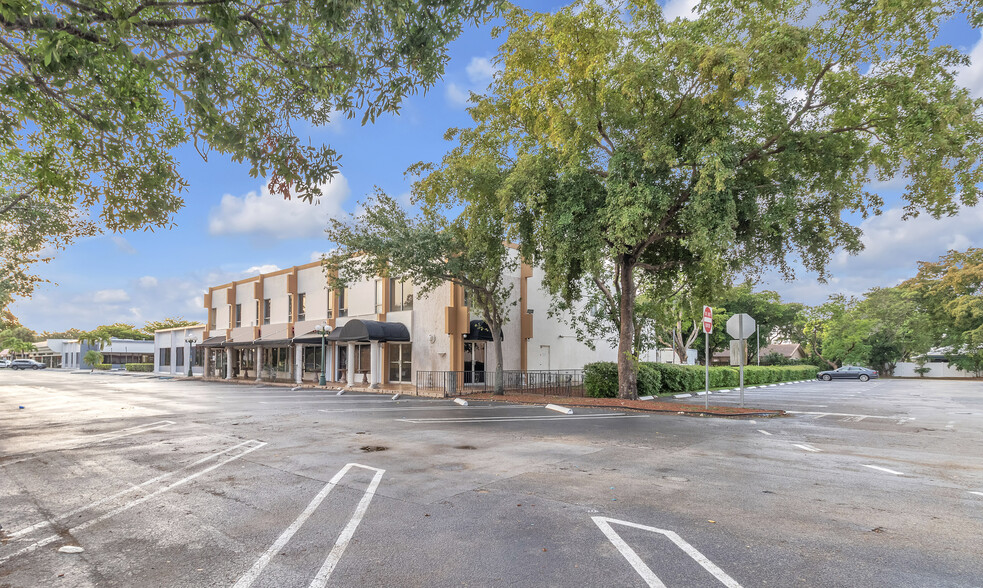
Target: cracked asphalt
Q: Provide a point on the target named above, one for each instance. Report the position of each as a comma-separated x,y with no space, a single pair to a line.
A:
169,482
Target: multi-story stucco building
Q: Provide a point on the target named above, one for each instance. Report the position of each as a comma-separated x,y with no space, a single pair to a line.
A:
377,331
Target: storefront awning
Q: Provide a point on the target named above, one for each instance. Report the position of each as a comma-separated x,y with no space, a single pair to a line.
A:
213,342
365,331
315,337
478,330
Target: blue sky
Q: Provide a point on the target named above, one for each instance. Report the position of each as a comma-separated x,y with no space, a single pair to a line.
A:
230,229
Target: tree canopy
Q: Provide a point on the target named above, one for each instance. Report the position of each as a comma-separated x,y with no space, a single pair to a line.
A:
643,147
168,323
95,96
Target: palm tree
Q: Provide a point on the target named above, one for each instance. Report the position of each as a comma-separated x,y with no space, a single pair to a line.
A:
97,337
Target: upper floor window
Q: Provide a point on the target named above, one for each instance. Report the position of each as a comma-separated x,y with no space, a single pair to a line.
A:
238,315
211,319
379,307
256,320
343,302
400,295
290,307
301,307
266,311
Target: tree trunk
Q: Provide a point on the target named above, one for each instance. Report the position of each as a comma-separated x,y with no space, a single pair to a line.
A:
499,370
627,362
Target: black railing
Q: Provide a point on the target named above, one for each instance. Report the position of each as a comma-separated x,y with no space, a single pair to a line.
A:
545,382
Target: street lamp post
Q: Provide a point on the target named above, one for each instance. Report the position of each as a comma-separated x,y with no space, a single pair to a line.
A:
191,354
323,329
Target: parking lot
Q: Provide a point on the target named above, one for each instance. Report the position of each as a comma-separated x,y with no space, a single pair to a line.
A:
168,482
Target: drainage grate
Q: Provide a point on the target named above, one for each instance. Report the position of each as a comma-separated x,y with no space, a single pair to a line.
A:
372,448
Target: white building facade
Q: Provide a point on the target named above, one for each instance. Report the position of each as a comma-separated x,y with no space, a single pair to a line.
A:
377,332
176,350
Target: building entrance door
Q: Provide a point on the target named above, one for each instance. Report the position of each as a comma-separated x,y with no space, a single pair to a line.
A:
474,362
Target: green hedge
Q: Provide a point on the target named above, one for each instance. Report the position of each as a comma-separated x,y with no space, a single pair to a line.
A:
601,378
139,367
102,366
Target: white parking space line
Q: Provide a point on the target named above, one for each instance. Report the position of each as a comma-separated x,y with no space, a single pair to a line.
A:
435,407
132,488
873,467
808,448
94,439
334,556
764,432
604,523
131,504
976,493
820,415
503,419
341,400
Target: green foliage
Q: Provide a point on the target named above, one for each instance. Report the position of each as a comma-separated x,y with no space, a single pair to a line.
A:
95,97
139,367
93,358
168,323
922,370
601,378
102,366
104,334
658,153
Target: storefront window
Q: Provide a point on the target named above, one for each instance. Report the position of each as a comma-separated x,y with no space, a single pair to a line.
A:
400,362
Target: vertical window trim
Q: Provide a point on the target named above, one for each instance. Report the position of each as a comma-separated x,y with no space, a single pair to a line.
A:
301,307
267,310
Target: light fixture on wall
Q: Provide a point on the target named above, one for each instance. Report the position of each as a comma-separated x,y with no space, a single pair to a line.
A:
433,339
529,311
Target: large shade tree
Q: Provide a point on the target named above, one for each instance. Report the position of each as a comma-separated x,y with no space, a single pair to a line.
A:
665,149
96,95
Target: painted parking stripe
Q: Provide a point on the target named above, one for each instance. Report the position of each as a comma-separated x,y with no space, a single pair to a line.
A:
976,493
820,415
808,448
334,556
764,432
132,488
604,523
131,504
435,407
873,467
616,415
94,439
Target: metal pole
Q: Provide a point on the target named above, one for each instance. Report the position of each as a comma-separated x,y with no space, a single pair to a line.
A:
324,364
706,360
741,351
757,342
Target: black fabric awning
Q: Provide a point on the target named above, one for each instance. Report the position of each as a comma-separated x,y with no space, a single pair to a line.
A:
478,330
213,342
315,337
239,344
365,331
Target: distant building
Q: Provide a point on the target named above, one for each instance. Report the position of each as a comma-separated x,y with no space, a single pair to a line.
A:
117,354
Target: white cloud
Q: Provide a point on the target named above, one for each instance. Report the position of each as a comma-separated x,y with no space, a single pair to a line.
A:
892,249
457,95
265,215
686,9
261,269
317,255
480,70
147,282
110,296
123,245
971,77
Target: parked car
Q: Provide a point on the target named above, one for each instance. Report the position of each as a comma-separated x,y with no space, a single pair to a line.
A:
848,371
4,363
25,364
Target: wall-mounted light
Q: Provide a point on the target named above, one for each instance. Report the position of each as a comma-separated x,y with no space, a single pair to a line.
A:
529,311
433,339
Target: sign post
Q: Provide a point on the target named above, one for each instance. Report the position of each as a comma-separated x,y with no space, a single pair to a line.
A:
707,329
741,326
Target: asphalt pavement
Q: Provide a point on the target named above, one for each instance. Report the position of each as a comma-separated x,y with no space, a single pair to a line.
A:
169,482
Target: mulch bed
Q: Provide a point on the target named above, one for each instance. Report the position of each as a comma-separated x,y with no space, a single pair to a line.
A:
633,405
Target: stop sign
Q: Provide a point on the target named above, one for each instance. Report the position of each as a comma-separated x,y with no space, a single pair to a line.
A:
707,320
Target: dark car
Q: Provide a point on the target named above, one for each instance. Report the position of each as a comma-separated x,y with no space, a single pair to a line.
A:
848,371
26,364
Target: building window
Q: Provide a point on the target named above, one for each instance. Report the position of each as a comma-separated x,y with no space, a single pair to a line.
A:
199,359
379,309
266,311
400,295
238,315
178,356
400,362
165,357
256,320
301,307
211,319
290,308
343,302
277,357
312,359
363,359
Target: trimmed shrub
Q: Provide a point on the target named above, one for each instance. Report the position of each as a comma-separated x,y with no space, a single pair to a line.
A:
139,367
102,366
601,379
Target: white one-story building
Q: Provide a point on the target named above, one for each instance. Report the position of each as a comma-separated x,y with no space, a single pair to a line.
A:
176,350
117,353
376,332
